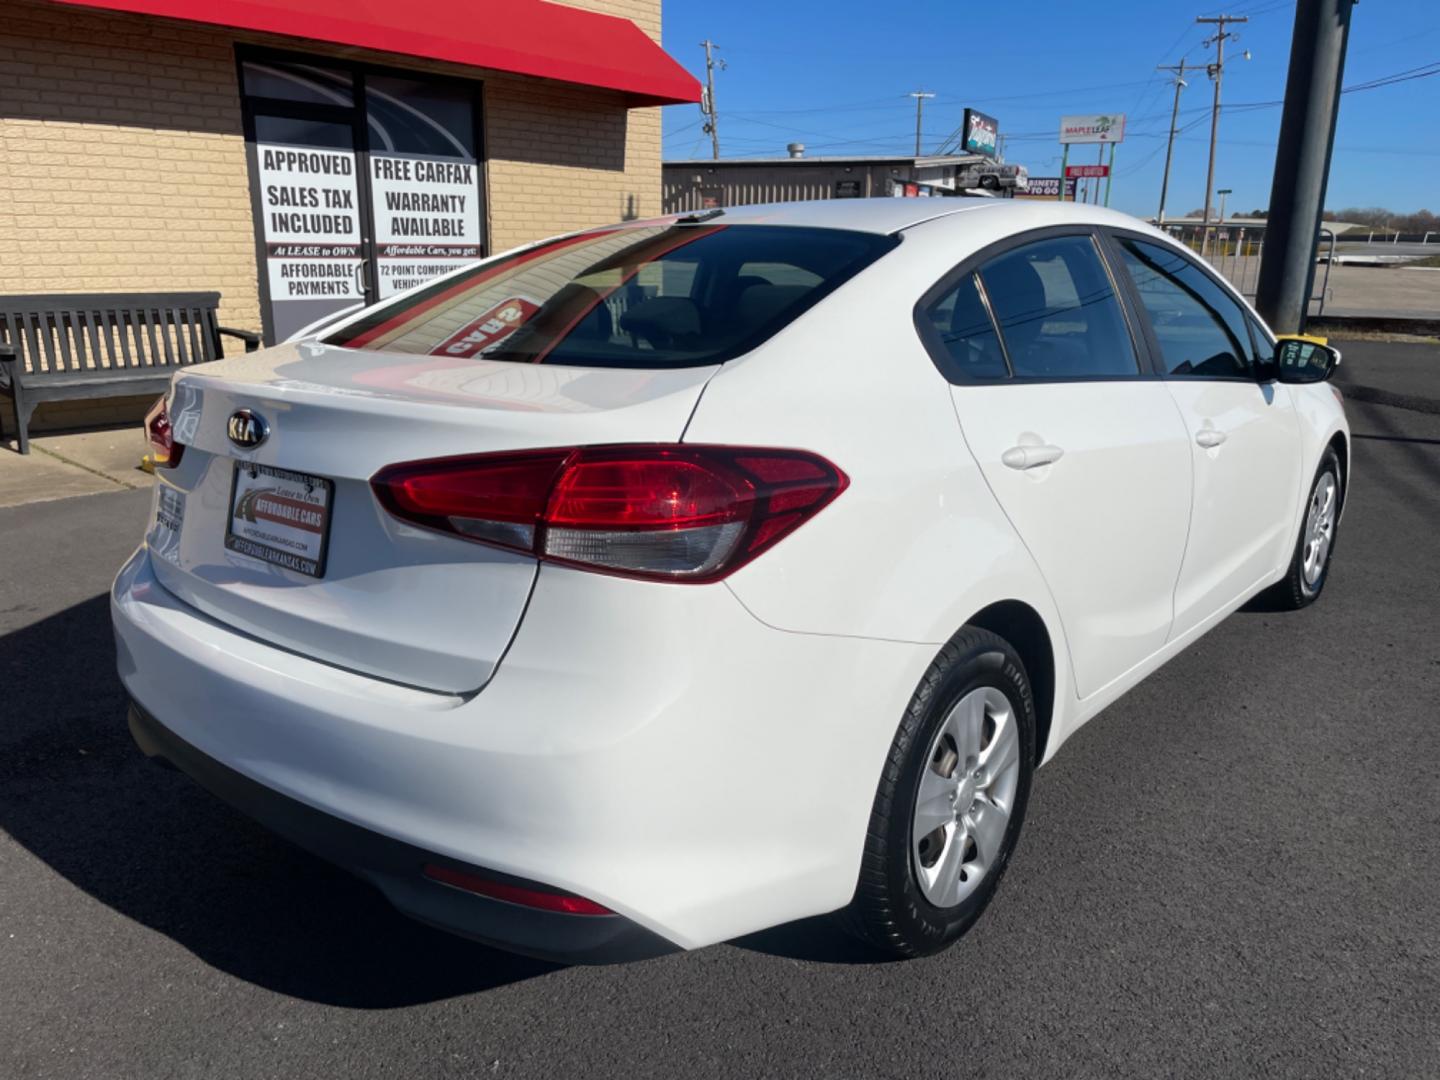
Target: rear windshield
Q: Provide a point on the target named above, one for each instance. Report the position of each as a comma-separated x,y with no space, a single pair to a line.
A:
638,296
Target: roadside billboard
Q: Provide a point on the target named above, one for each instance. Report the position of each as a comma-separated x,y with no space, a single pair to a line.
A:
1074,171
1092,129
982,133
1046,187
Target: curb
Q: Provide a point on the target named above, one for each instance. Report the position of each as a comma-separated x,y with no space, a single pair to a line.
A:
1336,325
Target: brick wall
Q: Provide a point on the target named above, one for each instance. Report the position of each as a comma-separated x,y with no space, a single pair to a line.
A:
122,155
562,159
122,161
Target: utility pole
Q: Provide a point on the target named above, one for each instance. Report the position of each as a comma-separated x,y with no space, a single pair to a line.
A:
1217,72
1180,84
1302,161
707,107
920,96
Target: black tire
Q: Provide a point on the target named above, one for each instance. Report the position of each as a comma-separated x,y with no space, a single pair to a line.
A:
1293,592
889,909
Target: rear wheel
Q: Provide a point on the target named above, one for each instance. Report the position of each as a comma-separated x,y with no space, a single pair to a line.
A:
950,804
1310,563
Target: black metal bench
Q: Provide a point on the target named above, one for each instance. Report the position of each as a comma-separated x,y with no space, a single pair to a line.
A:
88,345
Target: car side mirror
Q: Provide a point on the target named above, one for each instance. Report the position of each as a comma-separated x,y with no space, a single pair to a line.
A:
1300,359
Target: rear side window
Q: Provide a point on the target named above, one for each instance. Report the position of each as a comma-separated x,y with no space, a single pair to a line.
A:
966,333
1202,332
643,296
1058,313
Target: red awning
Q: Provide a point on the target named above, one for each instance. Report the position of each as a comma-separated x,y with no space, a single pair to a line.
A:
528,37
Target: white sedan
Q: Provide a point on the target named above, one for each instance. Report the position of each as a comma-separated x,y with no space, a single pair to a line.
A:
660,583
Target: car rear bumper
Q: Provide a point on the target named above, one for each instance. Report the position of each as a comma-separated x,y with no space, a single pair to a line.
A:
396,868
652,748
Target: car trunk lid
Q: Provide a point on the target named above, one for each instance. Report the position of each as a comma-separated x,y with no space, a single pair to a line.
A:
312,563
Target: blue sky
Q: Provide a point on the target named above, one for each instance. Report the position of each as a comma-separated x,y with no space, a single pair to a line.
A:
834,74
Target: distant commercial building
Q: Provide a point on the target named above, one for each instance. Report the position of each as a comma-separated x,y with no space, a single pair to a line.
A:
705,184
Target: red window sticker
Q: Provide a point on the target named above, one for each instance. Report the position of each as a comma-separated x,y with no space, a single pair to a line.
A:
486,329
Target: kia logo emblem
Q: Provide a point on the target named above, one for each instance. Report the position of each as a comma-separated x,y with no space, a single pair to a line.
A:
247,429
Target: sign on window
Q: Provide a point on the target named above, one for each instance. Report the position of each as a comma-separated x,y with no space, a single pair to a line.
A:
310,203
427,217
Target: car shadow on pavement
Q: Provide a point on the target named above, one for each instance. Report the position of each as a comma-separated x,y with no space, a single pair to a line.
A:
158,849
820,940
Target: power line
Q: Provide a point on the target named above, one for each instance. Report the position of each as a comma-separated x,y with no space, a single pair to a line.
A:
681,130
884,139
868,105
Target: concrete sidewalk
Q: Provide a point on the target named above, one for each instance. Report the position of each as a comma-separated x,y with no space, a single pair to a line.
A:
79,463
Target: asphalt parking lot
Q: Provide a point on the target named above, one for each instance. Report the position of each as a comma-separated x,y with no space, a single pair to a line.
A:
1235,870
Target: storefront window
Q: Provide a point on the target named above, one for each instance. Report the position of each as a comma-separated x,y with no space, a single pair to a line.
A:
368,184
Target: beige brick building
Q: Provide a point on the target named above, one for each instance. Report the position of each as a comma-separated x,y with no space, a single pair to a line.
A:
134,141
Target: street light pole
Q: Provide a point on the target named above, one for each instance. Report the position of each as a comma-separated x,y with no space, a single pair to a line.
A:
1222,193
1180,84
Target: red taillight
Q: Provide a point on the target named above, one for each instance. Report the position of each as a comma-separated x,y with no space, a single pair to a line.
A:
164,450
666,513
514,894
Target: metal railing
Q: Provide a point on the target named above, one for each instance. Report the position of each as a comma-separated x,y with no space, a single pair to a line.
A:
1235,250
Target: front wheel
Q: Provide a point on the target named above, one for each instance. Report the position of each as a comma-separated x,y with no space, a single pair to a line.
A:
950,804
1310,563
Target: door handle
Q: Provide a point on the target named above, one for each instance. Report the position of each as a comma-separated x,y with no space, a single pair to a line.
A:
1030,457
360,277
1209,437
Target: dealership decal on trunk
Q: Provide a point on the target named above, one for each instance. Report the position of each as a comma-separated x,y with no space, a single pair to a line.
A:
164,539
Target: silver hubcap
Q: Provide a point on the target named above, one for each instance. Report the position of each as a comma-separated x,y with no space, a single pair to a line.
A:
1319,529
966,794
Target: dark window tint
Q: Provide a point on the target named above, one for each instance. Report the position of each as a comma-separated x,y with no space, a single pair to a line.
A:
411,116
306,83
1201,330
967,334
1058,312
774,273
640,296
318,134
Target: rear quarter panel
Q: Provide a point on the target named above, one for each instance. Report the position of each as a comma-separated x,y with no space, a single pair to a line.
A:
916,545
